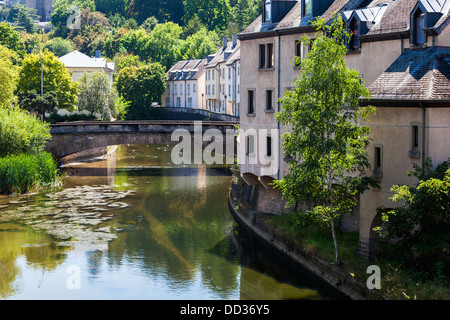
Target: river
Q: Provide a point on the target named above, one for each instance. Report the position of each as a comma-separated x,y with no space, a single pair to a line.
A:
135,226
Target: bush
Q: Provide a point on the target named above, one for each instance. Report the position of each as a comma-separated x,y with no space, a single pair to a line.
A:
21,132
24,172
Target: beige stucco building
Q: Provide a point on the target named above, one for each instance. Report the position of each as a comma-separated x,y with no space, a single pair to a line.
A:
185,85
401,49
222,81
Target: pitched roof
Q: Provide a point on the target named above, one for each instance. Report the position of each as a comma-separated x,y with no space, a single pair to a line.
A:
76,59
223,54
294,19
186,70
416,75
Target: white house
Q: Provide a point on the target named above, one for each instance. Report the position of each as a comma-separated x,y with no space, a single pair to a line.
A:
185,85
79,63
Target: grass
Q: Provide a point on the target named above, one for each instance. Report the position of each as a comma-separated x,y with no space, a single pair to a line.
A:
23,173
398,280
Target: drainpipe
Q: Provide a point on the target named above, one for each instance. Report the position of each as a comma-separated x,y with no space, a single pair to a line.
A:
278,103
423,134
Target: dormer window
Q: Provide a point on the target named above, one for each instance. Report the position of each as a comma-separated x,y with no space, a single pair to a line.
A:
268,11
306,7
418,27
354,40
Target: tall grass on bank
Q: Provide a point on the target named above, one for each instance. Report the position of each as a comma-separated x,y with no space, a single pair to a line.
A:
23,173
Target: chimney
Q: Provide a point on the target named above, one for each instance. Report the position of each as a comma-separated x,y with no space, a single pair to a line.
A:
225,42
234,40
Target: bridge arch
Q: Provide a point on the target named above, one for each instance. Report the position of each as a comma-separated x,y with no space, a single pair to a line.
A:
73,137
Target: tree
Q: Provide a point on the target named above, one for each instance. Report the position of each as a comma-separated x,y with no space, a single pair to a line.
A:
10,38
8,75
164,44
59,46
141,86
421,222
326,142
200,44
23,16
56,78
212,13
35,102
97,95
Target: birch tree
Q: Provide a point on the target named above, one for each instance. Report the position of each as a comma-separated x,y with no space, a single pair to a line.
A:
327,141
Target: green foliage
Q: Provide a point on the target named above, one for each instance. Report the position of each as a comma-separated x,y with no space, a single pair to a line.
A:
56,78
35,102
212,13
97,95
421,222
200,44
141,86
24,172
23,16
10,38
59,46
8,76
327,141
21,132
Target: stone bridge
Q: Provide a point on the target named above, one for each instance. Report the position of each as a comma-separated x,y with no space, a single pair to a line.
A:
73,137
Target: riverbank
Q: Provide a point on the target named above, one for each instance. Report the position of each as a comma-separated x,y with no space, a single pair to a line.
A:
334,276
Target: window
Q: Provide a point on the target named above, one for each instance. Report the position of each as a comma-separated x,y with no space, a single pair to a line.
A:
178,102
194,88
189,102
269,100
354,43
189,89
251,102
268,11
250,145
414,150
175,89
419,36
266,56
306,7
213,74
268,146
378,160
213,89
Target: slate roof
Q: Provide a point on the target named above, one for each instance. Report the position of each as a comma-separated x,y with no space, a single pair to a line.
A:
293,19
416,75
395,17
186,70
224,54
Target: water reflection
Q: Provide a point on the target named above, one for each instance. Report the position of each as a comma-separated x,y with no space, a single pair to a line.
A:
137,227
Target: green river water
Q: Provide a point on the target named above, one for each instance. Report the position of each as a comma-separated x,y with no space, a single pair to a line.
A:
134,226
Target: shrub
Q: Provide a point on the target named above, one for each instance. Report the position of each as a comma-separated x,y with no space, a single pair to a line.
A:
25,172
21,132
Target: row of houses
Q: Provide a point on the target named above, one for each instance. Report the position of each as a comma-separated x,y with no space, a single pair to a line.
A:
401,48
211,83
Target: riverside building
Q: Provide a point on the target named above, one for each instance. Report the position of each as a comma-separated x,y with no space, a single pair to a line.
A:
401,49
